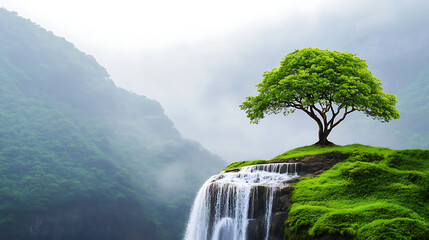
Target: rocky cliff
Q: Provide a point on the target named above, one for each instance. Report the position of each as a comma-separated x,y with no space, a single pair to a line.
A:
307,165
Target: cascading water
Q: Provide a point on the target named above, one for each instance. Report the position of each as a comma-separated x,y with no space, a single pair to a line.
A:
223,206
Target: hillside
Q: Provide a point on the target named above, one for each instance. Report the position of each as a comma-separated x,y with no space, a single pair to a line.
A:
81,158
369,193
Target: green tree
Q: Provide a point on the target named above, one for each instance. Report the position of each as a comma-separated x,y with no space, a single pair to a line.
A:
326,85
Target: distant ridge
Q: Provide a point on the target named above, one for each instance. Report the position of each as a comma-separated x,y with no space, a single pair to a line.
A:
81,158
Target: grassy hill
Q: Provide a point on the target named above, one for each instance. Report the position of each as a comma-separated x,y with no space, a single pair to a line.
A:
376,193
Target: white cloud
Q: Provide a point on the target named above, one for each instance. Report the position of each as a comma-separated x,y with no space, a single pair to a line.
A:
200,59
130,25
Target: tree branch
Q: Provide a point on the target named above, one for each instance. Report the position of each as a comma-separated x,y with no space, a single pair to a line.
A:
313,116
346,112
322,114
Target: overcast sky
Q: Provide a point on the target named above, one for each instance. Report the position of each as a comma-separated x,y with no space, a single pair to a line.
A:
200,59
129,25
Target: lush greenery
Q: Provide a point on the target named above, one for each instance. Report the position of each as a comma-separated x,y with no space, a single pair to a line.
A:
326,85
377,193
355,149
68,134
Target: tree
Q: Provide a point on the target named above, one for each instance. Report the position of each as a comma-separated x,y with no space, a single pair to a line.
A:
326,85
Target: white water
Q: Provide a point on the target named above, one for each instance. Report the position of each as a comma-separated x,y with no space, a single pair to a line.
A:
221,208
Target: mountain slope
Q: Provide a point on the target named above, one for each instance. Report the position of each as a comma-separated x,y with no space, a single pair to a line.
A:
81,158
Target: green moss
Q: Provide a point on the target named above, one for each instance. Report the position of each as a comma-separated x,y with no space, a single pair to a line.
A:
374,194
348,221
308,216
409,159
397,228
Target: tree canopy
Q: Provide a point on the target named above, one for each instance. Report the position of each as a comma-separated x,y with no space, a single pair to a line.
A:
327,85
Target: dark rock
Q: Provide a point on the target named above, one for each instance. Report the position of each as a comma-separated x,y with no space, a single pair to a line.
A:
315,164
277,221
311,164
256,229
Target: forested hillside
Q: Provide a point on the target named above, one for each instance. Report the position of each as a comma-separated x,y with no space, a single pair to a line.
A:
81,158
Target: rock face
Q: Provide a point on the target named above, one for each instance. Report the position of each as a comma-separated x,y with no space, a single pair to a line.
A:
251,202
239,204
278,217
311,164
315,164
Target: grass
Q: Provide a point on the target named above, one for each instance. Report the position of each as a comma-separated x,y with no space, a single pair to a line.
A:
312,150
377,193
315,149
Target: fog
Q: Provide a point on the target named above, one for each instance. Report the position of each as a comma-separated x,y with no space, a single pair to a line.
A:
203,61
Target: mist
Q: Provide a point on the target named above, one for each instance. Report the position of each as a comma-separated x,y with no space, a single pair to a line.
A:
200,81
200,85
109,129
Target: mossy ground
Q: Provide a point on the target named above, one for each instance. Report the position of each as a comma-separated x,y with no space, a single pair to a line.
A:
356,149
377,193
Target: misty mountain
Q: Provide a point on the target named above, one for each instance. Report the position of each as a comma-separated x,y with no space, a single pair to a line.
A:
81,158
392,36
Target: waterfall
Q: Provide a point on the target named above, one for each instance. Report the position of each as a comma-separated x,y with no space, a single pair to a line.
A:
226,202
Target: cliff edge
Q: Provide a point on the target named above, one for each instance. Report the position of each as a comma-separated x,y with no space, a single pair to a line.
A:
350,192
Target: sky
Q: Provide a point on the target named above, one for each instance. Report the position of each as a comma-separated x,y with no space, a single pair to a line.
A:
200,59
129,25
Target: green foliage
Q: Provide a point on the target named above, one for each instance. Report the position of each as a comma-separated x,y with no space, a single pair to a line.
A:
326,85
313,76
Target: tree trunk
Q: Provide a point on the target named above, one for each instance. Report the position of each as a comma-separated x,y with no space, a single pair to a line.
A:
323,138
